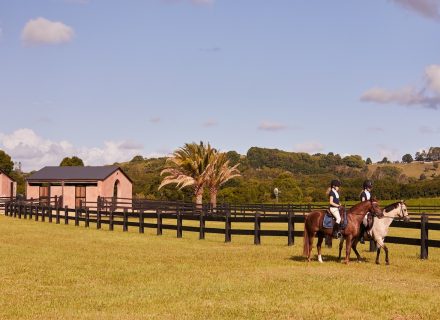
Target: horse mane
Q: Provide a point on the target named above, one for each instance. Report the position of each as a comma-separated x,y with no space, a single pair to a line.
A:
358,205
392,207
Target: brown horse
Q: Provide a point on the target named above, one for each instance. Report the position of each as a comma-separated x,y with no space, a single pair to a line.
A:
313,226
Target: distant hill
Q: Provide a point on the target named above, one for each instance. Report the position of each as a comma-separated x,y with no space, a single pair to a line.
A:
300,177
412,170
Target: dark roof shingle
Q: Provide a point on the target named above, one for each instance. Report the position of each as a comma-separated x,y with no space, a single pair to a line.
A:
73,173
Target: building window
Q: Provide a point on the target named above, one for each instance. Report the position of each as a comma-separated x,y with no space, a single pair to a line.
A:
80,196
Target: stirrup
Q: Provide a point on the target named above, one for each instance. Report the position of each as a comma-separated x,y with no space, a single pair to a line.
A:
362,240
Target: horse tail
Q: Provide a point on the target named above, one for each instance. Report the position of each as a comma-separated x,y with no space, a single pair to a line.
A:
306,247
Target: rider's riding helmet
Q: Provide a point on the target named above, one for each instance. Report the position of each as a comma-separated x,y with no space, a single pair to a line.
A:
368,184
335,183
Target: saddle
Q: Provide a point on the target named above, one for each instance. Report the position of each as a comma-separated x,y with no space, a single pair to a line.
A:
329,220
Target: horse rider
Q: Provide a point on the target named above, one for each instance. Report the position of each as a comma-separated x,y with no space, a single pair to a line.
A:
368,219
333,194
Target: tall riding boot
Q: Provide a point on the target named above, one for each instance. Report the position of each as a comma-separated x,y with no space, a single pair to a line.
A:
336,233
362,231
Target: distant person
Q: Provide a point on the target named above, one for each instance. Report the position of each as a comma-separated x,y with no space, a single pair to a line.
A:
368,219
333,194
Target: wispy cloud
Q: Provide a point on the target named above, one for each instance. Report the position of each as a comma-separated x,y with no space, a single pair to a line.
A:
428,96
309,147
429,130
271,126
155,120
195,2
427,8
42,31
34,151
211,50
375,129
210,123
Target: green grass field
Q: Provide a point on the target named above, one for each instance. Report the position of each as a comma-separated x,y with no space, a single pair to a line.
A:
51,271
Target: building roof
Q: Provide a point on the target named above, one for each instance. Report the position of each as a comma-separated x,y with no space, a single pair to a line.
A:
2,172
74,173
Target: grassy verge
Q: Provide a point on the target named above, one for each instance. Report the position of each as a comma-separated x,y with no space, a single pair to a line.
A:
50,271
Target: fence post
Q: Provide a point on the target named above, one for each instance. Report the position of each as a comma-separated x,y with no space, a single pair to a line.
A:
159,222
25,210
227,226
179,223
291,228
77,217
15,209
19,210
202,226
141,221
43,214
257,228
37,209
30,211
424,239
98,217
125,226
57,215
66,215
111,220
49,209
87,222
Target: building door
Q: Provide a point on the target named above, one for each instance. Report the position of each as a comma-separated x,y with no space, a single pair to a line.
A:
80,196
44,195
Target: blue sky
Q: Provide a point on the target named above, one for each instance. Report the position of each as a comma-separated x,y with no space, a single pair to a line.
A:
107,80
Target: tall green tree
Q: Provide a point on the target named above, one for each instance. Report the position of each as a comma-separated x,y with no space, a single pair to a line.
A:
407,158
72,162
6,164
219,172
187,168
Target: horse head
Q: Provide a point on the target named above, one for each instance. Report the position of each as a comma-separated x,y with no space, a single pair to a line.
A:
403,212
375,208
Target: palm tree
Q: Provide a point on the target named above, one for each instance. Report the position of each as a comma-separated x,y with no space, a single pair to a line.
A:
187,167
219,172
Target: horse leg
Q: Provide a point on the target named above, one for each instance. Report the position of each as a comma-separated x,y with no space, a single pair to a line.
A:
348,243
387,261
358,256
318,246
310,248
380,244
341,245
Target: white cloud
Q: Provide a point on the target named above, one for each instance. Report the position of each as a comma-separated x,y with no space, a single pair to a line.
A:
427,8
271,126
428,96
311,147
42,31
389,152
35,152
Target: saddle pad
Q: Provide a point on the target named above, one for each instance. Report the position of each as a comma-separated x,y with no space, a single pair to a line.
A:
328,221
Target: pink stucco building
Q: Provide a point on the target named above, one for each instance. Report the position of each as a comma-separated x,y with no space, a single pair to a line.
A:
76,184
8,186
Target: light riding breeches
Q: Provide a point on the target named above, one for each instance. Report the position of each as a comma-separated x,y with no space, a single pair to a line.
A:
336,214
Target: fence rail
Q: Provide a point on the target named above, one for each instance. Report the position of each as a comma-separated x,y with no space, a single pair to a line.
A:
135,218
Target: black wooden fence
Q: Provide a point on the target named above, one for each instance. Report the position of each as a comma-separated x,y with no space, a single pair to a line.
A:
136,218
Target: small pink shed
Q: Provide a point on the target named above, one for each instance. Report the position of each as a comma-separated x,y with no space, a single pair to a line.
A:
8,186
79,184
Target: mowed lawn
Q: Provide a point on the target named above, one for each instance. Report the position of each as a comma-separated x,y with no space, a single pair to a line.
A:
50,271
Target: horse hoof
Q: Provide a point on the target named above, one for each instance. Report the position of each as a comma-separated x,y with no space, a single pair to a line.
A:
377,262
